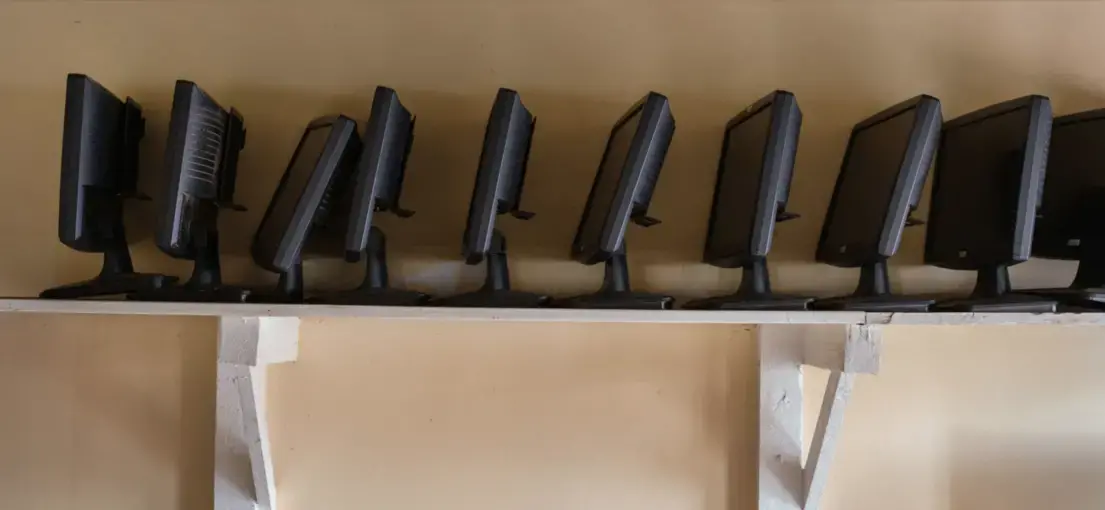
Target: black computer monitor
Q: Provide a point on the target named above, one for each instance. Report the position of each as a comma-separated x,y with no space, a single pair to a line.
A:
201,159
377,185
1070,226
310,187
620,194
750,196
498,190
985,196
879,185
99,169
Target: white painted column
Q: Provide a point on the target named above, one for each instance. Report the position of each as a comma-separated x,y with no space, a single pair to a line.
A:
785,482
243,455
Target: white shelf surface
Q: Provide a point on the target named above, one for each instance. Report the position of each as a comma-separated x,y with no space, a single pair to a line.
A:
540,315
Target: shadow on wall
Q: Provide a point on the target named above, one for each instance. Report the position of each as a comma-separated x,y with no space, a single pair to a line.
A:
1026,473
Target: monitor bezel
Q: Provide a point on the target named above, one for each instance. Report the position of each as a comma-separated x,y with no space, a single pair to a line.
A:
288,250
776,171
645,156
906,192
1031,179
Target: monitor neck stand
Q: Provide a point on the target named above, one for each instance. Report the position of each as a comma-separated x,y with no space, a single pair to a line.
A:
374,290
289,288
873,294
496,291
615,292
117,276
993,293
754,293
205,285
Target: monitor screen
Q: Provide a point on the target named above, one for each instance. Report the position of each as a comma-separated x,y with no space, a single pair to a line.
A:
607,183
282,208
977,190
1074,186
737,191
872,165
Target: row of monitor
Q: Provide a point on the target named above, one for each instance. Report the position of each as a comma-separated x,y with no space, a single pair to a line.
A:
986,205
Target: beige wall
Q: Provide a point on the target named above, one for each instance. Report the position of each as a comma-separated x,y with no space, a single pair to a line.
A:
116,413
385,414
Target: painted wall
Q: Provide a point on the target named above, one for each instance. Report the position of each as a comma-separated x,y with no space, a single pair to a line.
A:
386,414
117,413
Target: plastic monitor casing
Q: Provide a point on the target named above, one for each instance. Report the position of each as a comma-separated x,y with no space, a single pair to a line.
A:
601,231
380,169
198,138
773,174
278,246
960,236
501,173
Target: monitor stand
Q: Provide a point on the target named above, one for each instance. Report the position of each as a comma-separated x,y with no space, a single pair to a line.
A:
117,276
496,292
205,284
615,292
873,294
992,294
374,290
754,293
289,288
1088,287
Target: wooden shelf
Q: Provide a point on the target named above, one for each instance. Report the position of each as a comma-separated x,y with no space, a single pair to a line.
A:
541,315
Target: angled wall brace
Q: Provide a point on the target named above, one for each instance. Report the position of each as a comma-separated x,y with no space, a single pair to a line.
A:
785,482
243,456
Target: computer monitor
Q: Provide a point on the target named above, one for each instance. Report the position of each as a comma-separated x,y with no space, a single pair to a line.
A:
1069,226
750,196
99,169
985,196
878,187
377,185
201,158
310,187
498,190
620,194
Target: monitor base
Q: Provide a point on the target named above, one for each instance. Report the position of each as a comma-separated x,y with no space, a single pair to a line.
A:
623,300
110,285
186,294
751,302
1003,303
373,297
1089,297
485,298
881,303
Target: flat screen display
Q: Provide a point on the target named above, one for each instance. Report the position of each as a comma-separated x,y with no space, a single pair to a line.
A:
284,202
736,197
1075,184
864,189
977,183
606,184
